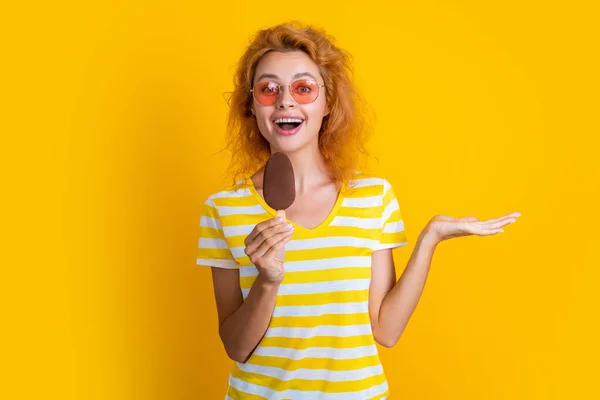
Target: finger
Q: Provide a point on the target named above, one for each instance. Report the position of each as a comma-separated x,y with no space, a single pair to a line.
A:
481,229
489,233
497,222
487,230
502,222
262,226
513,215
491,221
484,231
272,241
270,232
276,247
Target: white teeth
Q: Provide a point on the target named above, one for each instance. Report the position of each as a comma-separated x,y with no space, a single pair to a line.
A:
288,120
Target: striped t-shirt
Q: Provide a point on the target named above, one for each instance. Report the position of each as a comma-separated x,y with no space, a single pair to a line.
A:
319,343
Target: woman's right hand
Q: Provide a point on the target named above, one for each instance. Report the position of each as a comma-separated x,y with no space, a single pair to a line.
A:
265,248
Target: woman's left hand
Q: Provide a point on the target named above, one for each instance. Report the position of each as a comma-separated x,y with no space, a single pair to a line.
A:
445,227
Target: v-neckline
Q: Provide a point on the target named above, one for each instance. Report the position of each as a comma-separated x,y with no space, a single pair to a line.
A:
325,223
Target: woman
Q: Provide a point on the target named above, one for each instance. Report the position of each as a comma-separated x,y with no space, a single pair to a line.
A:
306,328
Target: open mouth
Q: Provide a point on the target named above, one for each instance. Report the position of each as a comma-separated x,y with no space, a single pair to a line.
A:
288,125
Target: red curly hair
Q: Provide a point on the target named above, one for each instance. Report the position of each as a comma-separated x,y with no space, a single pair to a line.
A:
344,130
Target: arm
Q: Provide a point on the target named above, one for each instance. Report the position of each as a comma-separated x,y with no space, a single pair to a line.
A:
242,324
392,303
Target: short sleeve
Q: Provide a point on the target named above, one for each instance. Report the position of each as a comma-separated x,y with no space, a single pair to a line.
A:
213,250
392,231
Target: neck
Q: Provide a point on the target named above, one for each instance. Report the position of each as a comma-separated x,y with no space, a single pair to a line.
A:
310,168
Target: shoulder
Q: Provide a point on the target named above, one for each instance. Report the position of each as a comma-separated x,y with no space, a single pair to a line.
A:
239,189
365,182
223,200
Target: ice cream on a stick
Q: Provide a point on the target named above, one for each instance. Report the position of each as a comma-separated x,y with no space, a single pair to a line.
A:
279,187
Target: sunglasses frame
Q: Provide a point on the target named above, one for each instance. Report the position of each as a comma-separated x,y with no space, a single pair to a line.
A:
280,88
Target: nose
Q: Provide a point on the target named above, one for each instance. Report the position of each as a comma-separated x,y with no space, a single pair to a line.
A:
285,98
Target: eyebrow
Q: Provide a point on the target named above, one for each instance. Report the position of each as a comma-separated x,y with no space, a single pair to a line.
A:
298,75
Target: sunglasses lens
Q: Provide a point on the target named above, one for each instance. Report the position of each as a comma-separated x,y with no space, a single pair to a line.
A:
304,91
266,93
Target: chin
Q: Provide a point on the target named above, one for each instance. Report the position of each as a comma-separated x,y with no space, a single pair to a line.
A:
289,146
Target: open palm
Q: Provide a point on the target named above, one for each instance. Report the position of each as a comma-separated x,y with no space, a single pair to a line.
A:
447,227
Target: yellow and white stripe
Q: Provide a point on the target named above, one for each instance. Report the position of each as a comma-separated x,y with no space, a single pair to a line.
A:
319,343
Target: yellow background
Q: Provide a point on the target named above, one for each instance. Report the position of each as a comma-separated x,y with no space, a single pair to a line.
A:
113,113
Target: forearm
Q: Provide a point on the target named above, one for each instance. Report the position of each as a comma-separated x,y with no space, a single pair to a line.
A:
400,302
242,331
